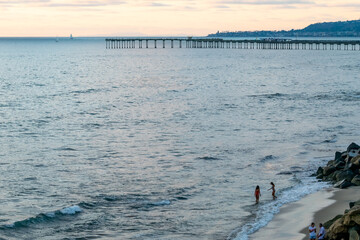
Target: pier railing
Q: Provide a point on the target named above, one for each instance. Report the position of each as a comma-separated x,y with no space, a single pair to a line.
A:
276,44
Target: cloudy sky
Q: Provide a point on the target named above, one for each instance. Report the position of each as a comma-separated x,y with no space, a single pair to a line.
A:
170,17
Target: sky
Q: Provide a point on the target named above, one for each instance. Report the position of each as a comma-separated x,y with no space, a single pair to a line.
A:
40,18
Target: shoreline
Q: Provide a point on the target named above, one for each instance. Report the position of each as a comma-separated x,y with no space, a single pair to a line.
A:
293,219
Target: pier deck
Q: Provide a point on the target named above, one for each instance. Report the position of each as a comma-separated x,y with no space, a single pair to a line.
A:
190,42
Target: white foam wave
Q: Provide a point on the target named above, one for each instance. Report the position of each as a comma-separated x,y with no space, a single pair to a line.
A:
50,214
71,210
161,203
266,212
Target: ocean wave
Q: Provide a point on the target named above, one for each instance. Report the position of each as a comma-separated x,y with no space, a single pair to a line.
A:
65,149
208,158
270,95
268,158
90,90
145,205
333,139
44,217
263,213
341,95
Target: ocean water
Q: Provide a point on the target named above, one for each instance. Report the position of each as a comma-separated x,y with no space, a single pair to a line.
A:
164,143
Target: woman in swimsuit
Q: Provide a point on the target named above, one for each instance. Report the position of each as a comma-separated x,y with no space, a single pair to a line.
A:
273,190
257,193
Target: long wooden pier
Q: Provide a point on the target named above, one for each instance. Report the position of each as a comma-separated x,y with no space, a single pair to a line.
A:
269,43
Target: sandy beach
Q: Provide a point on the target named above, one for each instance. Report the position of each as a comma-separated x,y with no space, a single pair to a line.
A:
293,220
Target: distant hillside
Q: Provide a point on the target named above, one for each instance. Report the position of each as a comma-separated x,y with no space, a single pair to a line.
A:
325,29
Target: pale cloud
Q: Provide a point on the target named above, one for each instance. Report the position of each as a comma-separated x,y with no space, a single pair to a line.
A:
157,4
158,17
82,4
349,5
265,2
57,3
222,7
24,2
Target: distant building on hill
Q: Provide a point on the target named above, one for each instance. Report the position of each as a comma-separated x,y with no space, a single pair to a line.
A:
325,29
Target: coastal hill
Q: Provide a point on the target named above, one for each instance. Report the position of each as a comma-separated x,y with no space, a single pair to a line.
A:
325,29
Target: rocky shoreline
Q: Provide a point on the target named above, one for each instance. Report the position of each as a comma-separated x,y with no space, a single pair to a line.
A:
344,172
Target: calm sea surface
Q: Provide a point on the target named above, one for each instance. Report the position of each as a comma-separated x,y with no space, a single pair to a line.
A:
164,143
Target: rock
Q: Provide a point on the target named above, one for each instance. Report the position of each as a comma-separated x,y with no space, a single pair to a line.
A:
352,204
347,175
352,146
320,170
338,230
342,184
354,153
352,217
337,185
340,165
330,163
337,155
343,155
328,178
320,176
346,226
356,180
331,177
353,234
346,184
328,170
330,222
352,167
355,160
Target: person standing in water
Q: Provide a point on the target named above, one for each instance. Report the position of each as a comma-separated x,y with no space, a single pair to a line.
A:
273,190
257,193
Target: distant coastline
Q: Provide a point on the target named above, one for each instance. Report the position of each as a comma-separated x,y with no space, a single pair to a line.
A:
325,29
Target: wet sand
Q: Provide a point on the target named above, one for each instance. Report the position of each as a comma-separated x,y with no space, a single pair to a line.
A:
294,219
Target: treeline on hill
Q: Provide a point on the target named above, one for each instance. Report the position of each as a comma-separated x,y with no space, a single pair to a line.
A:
325,29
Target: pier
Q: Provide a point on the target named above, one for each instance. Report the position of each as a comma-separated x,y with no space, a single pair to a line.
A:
216,43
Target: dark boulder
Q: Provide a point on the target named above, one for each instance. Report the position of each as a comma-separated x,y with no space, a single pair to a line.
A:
331,163
328,170
320,176
340,165
347,175
356,160
330,222
351,166
331,177
352,146
338,155
354,233
353,204
343,184
356,180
